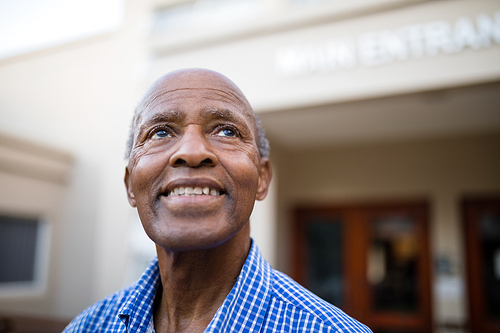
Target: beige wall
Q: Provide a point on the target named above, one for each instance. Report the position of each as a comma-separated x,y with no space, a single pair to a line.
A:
251,60
80,98
441,171
34,183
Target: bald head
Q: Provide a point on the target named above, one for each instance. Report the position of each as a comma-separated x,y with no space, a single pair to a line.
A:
192,79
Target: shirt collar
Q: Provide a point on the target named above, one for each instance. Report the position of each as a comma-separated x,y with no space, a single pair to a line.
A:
243,309
246,304
137,312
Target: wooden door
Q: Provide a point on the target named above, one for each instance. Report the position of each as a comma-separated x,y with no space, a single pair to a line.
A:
370,260
482,237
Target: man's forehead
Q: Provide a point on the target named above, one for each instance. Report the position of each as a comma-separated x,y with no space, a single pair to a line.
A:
179,115
174,86
197,80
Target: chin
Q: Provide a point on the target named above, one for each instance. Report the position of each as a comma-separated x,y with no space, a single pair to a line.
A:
189,241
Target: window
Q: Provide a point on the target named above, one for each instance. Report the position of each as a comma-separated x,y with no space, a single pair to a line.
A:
23,255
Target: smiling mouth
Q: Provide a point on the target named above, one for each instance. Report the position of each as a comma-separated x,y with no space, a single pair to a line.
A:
182,191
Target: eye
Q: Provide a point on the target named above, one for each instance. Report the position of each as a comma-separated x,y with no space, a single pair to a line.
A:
228,132
160,134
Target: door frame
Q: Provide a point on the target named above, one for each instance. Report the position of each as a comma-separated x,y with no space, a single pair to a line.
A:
355,249
471,211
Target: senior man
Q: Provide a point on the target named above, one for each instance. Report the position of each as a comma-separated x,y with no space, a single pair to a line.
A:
198,160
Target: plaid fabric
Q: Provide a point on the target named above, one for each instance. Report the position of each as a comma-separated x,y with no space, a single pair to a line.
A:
262,300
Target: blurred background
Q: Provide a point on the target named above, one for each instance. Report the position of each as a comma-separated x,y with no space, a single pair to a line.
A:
384,122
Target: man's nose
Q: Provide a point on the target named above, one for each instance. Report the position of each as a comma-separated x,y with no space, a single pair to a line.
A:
193,150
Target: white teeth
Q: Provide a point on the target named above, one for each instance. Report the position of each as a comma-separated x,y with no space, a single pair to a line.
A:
192,191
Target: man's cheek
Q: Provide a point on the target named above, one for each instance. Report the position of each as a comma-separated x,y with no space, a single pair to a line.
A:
147,170
248,176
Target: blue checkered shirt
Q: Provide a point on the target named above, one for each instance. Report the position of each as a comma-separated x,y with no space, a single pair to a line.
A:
262,300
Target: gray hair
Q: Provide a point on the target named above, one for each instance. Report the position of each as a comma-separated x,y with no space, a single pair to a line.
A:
262,141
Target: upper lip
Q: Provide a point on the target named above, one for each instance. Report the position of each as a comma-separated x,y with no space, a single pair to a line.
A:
192,182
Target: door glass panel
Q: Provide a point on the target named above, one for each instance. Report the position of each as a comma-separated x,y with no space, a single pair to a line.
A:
325,260
490,239
392,264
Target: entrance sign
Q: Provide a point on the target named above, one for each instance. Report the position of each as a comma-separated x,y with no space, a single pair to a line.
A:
376,48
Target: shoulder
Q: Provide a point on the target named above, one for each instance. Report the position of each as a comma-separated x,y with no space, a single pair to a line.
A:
308,310
102,316
127,307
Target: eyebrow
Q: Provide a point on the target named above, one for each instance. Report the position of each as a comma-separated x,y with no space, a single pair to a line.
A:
164,116
168,115
224,114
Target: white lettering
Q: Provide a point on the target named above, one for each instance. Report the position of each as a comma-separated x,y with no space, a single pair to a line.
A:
438,38
381,47
341,54
369,49
377,48
315,59
465,34
394,45
288,61
414,38
489,30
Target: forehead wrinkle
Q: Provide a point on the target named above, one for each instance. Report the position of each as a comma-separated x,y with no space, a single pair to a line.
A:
227,92
152,97
232,96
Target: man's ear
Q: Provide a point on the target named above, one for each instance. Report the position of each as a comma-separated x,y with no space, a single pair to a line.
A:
128,186
265,176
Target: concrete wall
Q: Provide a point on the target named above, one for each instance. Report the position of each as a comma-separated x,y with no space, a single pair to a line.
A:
80,98
34,182
255,58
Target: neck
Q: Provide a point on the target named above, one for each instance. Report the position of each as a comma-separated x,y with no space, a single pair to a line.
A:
195,283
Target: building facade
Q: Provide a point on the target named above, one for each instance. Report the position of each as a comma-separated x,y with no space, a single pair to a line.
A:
384,123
